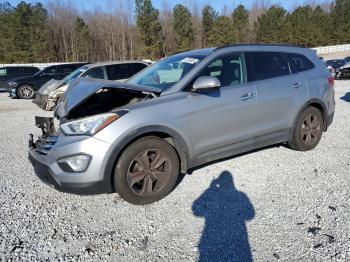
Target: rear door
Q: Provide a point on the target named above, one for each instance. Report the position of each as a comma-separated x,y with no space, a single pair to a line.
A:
280,94
223,121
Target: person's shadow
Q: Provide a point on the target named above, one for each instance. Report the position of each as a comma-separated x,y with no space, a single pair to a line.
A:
226,211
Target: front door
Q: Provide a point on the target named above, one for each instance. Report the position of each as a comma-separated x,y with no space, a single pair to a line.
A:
223,121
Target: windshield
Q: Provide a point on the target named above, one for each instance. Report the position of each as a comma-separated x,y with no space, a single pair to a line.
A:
167,72
76,73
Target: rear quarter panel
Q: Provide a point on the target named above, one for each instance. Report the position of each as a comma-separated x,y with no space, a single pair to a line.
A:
319,87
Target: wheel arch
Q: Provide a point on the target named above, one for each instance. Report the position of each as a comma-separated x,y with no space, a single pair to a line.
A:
315,102
169,135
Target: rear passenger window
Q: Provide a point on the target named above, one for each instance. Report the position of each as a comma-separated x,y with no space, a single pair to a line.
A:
120,71
50,71
229,69
66,69
96,72
138,67
32,70
300,62
269,65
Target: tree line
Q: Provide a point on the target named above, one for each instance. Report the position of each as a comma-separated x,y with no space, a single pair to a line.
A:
58,31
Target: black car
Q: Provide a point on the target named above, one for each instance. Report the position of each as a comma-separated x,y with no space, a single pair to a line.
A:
9,72
335,63
25,87
343,72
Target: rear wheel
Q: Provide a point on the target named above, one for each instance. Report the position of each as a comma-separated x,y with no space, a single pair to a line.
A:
147,171
25,92
308,130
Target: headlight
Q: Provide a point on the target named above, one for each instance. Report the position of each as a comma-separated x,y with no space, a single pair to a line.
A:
12,84
58,91
90,125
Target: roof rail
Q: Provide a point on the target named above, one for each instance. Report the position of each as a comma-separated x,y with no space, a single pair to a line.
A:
256,44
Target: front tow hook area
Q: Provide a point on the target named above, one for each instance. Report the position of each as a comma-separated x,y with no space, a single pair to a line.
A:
47,126
31,141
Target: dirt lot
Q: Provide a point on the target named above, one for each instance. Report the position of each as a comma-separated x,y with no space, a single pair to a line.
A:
274,204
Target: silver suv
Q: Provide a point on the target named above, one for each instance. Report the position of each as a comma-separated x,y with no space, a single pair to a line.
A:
187,110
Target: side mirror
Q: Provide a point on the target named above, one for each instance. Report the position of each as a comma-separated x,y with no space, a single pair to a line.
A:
206,83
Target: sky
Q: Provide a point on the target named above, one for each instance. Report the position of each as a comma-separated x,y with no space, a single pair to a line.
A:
217,4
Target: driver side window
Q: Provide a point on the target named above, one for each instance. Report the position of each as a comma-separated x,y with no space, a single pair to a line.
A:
229,69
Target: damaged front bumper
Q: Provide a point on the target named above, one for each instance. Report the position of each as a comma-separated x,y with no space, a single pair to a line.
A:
44,102
46,151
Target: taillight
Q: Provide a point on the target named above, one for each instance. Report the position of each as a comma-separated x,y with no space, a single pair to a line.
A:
331,81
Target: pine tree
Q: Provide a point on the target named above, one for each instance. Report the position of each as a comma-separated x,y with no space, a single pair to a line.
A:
240,19
222,32
340,16
6,16
21,34
209,15
82,40
271,26
40,38
149,28
183,28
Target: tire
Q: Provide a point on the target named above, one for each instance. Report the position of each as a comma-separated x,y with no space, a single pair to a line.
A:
26,92
308,130
147,171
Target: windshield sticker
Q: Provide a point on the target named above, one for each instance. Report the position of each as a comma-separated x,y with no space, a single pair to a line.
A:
189,60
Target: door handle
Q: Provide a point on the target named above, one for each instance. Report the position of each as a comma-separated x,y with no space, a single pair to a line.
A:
297,85
247,96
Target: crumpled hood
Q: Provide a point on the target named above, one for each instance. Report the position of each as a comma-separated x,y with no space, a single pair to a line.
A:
82,88
49,86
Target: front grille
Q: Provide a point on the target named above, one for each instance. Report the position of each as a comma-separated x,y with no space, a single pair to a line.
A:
44,146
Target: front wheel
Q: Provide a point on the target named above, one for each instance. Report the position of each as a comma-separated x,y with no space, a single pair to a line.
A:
25,92
147,171
308,130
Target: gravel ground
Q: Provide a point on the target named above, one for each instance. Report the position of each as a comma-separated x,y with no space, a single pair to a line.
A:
274,204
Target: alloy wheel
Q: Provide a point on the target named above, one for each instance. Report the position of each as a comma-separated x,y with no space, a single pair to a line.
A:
26,92
149,172
310,129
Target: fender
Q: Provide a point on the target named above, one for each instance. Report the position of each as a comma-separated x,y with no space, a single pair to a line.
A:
322,106
178,142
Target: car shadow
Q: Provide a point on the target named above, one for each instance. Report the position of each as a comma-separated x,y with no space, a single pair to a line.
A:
346,97
226,210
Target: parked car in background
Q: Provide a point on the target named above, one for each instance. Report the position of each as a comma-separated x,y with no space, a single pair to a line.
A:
25,87
48,95
334,64
343,72
9,72
137,137
347,59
